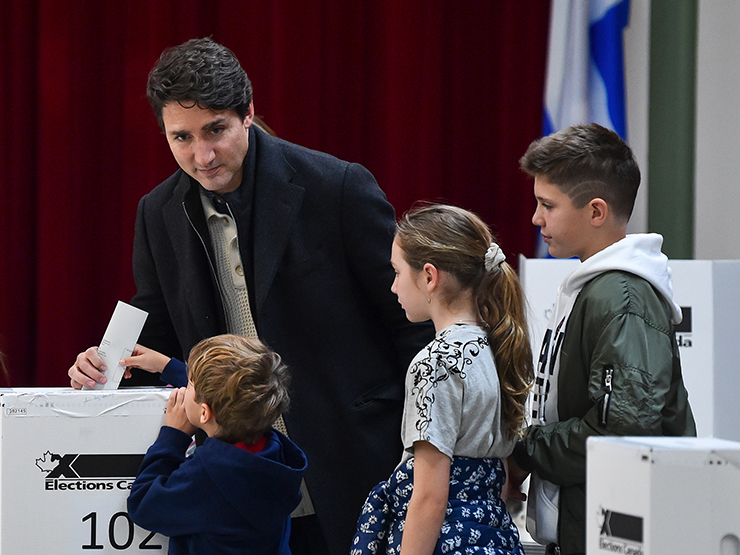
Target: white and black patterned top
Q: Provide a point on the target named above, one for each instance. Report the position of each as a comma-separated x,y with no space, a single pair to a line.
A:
453,397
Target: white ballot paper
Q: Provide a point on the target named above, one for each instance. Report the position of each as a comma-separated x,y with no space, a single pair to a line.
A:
119,341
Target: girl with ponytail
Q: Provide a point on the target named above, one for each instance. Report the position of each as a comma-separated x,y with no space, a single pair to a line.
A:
465,393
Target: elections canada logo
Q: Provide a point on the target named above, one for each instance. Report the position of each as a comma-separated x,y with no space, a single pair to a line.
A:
83,472
683,330
620,533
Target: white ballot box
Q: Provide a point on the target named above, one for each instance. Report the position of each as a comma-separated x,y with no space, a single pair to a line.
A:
708,292
662,496
67,462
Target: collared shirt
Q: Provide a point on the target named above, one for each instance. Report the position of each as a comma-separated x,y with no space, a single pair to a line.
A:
240,204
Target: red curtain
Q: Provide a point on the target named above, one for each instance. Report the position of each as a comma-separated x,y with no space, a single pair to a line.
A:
437,99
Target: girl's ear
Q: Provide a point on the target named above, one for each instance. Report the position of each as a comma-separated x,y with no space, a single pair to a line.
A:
430,275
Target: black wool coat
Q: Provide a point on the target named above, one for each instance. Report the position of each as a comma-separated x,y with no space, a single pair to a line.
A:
322,236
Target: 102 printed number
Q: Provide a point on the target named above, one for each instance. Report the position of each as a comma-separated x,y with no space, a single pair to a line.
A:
120,533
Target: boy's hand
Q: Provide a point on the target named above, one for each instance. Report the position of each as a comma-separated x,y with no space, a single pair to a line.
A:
146,359
514,478
176,416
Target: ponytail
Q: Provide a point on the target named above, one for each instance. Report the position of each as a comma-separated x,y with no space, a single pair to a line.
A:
501,305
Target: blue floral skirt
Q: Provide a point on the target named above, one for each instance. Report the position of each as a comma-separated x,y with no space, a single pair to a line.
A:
476,521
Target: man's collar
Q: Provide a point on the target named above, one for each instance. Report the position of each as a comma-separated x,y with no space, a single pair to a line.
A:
243,194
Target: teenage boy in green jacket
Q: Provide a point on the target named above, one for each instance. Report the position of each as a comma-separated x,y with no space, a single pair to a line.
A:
609,363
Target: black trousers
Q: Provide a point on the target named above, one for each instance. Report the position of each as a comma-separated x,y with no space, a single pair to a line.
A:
306,537
553,549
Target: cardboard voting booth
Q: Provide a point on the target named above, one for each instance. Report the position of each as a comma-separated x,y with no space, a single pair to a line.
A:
662,496
709,295
67,461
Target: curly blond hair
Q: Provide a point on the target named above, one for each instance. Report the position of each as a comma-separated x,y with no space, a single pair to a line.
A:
243,381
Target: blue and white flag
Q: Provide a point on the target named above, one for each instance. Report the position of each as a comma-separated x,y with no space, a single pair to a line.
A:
585,66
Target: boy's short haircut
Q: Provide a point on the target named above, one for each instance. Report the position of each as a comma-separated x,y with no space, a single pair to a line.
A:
243,381
587,162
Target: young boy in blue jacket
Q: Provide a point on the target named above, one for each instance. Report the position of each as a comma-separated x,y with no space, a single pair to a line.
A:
609,363
236,492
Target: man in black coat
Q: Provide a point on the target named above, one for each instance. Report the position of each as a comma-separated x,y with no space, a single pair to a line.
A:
308,251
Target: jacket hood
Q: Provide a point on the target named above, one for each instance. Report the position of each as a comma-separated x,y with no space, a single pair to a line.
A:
638,254
272,476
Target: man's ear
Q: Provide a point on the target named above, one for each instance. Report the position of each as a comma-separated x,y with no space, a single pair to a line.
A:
599,211
249,116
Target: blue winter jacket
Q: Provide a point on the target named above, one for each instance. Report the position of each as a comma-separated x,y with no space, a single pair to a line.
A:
222,499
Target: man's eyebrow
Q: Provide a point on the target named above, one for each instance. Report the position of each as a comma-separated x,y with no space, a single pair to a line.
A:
214,123
206,127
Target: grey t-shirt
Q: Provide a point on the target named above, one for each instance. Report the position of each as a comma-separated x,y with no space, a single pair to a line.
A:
453,397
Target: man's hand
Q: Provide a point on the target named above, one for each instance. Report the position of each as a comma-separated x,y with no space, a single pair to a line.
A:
87,370
176,416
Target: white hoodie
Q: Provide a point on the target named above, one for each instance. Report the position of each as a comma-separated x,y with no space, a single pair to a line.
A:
637,254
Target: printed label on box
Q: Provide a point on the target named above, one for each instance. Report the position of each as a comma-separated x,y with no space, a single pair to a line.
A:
67,463
620,533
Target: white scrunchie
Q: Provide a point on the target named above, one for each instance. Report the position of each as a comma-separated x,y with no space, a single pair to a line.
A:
494,257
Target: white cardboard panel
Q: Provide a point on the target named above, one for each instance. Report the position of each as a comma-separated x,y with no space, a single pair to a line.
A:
67,461
662,496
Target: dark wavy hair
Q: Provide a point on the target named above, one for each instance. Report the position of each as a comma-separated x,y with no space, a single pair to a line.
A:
455,240
199,72
243,381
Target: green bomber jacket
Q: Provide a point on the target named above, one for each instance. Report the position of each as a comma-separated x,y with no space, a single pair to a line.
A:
620,374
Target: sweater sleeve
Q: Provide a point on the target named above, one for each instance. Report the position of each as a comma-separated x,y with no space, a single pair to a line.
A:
165,496
175,373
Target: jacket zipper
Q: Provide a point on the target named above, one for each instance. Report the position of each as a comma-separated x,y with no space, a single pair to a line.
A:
211,265
608,376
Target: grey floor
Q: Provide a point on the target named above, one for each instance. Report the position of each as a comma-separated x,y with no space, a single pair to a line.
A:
533,548
516,510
